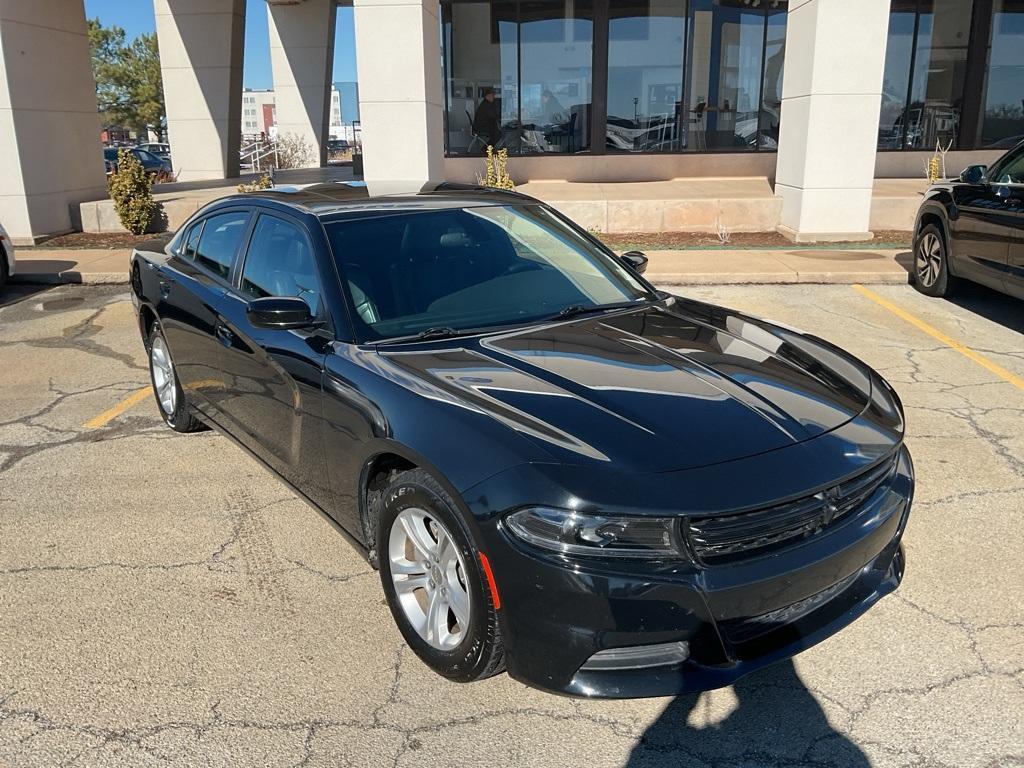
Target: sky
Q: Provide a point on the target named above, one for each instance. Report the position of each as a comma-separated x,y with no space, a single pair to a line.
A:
137,17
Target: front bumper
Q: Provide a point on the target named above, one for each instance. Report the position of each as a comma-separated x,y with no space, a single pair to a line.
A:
735,618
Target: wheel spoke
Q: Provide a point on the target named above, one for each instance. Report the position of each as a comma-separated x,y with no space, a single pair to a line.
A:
437,612
458,598
411,582
416,530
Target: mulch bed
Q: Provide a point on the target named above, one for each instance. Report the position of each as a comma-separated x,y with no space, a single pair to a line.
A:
109,240
739,240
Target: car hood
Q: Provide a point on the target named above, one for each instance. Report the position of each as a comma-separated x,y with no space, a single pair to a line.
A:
673,385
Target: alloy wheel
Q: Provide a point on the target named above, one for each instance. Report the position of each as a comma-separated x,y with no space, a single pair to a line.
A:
163,375
929,260
430,578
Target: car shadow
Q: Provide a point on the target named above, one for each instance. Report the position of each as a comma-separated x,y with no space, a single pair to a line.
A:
906,260
990,304
776,721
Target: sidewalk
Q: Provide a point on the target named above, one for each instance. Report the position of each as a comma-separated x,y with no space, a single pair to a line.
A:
683,267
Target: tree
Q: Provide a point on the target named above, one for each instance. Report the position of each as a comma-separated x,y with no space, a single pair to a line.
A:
129,88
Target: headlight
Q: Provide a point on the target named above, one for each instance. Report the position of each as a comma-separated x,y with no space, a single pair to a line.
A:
576,533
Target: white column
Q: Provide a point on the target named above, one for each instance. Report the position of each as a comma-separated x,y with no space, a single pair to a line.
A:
398,57
831,96
49,128
302,58
201,45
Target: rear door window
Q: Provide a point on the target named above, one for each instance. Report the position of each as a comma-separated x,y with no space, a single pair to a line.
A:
218,243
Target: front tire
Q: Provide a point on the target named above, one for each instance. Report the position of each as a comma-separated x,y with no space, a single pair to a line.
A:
931,264
433,582
170,398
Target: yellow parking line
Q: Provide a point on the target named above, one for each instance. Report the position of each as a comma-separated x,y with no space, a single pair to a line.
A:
935,333
112,413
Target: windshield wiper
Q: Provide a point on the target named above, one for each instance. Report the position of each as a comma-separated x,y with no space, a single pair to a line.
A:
437,332
579,309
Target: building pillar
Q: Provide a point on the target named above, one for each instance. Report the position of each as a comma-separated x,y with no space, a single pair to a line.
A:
831,96
398,57
302,58
201,46
49,128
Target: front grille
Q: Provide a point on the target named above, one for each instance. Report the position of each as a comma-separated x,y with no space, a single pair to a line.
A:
744,630
726,538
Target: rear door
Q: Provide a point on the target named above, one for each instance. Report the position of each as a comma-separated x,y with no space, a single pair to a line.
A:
192,283
274,399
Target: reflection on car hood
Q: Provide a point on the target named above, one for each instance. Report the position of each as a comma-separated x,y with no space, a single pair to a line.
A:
670,386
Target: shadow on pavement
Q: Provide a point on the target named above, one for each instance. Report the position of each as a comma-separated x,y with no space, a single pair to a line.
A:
776,721
12,293
990,304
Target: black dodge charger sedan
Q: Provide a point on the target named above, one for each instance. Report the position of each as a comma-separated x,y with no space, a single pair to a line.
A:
560,471
972,228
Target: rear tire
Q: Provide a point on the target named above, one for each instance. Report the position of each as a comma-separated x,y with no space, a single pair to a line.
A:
171,402
931,274
433,581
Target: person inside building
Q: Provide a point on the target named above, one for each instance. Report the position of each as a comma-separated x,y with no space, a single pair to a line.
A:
487,120
551,109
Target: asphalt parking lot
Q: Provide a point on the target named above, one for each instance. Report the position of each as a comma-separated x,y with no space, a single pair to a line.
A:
165,601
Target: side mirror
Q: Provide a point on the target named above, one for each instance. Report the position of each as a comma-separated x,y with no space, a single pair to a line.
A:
280,313
973,174
636,261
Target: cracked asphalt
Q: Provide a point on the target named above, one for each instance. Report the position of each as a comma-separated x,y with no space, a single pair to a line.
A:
164,601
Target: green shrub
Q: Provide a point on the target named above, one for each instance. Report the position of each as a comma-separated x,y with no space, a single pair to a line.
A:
131,189
496,174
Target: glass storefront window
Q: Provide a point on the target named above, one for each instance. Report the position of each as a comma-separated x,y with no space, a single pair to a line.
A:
556,55
481,58
725,74
681,75
940,62
646,53
899,53
1002,123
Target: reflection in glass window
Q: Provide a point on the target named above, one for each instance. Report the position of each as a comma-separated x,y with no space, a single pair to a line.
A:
940,62
1002,123
219,241
725,75
481,50
279,262
771,96
556,72
646,53
899,52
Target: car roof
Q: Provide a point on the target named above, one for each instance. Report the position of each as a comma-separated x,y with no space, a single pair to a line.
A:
334,200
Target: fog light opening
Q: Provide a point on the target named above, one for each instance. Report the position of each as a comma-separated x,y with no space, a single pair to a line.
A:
638,657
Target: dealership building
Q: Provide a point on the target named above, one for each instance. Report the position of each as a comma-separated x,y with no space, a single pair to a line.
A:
816,98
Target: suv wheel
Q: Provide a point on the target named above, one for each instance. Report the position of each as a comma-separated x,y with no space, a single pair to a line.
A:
931,263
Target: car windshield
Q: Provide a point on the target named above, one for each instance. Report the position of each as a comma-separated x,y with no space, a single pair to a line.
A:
461,269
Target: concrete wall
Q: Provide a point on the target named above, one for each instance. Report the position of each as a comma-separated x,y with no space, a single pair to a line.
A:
911,165
620,167
49,129
302,59
398,56
831,97
201,44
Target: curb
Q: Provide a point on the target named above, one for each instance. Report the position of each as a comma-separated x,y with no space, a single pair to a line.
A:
70,278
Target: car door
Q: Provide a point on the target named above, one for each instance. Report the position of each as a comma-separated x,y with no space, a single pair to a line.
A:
979,242
1008,183
274,399
192,283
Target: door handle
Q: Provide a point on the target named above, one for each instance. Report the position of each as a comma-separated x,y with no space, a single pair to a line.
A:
225,336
